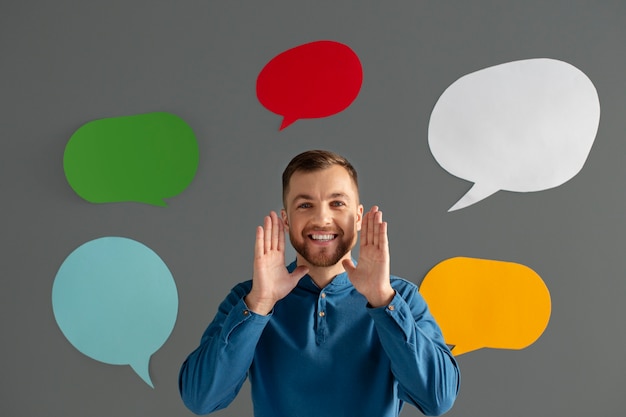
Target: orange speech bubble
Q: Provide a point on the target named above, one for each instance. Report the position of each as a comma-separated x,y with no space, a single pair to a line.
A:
481,303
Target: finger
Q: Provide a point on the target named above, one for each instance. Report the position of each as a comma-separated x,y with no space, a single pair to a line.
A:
378,219
364,229
275,231
267,242
349,266
299,272
281,235
370,225
258,244
383,238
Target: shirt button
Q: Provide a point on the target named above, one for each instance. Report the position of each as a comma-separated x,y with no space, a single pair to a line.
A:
246,312
322,314
323,295
391,307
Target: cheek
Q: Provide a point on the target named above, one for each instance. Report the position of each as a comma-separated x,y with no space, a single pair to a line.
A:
351,224
293,225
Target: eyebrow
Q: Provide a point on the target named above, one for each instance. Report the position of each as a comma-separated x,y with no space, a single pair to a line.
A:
308,197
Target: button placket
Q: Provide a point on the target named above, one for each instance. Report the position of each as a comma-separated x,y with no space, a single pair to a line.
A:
321,319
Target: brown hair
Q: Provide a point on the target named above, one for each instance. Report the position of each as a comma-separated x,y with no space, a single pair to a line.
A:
315,160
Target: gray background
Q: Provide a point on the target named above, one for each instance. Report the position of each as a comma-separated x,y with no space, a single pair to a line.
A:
65,63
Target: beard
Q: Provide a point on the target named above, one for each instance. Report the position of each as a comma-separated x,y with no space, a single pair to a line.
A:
324,256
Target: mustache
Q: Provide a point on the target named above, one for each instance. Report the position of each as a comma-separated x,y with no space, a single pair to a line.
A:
329,230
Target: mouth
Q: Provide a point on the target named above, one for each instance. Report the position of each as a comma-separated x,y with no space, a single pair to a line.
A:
322,237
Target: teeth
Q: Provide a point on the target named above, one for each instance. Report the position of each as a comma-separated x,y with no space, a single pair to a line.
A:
322,237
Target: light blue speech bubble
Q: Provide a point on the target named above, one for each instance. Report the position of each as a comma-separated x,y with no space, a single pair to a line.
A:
116,301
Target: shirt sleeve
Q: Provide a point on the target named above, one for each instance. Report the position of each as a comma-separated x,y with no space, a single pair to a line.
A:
213,374
427,373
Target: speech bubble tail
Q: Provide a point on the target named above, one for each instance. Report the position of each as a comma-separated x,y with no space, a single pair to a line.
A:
459,350
474,195
143,370
287,120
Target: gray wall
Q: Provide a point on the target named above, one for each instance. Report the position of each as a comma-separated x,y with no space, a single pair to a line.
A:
68,62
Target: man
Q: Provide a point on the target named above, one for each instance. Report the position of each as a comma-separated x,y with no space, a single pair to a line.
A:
324,337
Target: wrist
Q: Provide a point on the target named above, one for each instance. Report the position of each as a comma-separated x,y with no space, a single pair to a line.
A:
381,298
258,305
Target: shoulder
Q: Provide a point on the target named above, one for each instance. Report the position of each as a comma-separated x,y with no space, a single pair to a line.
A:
237,293
245,286
408,290
401,284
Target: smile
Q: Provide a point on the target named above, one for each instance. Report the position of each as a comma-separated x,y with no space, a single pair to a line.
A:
322,237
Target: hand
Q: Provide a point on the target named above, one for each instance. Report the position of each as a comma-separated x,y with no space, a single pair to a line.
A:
271,281
370,276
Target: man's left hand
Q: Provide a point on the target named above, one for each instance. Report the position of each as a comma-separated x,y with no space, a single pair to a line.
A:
370,276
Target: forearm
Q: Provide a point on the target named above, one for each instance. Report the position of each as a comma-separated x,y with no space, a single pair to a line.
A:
212,375
425,369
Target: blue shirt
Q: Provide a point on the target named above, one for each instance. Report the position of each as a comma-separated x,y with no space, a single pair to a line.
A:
323,353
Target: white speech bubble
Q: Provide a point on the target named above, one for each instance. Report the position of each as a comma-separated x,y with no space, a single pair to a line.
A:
521,126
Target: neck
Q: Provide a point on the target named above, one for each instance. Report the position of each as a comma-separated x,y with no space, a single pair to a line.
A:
323,275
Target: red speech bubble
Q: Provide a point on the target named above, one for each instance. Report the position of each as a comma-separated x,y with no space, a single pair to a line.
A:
313,80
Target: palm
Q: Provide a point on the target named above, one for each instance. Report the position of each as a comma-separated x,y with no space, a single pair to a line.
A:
271,281
271,276
370,276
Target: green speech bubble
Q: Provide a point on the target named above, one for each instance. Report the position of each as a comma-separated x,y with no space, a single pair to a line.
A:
143,158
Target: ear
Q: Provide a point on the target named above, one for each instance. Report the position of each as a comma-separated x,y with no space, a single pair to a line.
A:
359,217
283,214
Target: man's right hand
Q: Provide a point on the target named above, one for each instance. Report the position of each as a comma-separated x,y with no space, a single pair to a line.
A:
271,281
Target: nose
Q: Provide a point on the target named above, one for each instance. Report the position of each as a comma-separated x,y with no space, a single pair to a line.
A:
322,216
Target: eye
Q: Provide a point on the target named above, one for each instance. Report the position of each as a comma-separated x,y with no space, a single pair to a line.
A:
337,204
305,205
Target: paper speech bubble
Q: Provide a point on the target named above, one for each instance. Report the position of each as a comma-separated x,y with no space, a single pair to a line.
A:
313,80
481,303
521,126
115,301
142,158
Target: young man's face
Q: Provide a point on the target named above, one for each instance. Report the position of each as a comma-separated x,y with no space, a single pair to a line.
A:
323,215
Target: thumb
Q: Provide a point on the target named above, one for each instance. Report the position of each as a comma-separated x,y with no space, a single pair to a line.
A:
299,272
349,266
